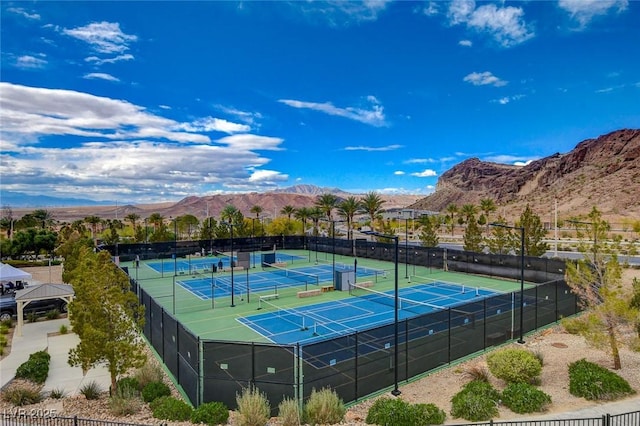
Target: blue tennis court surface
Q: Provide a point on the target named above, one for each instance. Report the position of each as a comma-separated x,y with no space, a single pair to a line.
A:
330,319
270,280
197,264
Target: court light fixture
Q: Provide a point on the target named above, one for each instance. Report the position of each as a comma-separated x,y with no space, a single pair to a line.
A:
521,228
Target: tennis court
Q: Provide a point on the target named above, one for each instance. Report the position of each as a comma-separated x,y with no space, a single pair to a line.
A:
368,308
271,280
197,264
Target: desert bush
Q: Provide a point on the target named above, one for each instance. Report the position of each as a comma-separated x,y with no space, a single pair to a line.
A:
324,407
477,372
397,412
4,329
289,412
125,401
148,373
593,382
211,413
514,365
91,390
155,390
56,393
170,408
477,401
7,323
253,407
32,317
572,325
524,398
63,329
3,341
53,314
36,368
128,383
23,393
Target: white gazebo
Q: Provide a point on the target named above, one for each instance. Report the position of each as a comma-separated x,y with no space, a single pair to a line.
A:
40,292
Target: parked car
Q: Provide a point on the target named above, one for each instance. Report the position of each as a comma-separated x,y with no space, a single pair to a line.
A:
9,306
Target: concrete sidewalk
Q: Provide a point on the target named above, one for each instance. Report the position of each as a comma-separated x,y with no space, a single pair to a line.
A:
43,335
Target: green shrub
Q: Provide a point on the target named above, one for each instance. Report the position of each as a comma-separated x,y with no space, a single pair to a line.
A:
324,407
32,317
524,398
23,393
289,412
63,329
477,401
514,365
7,323
573,325
36,368
125,402
253,407
3,341
150,372
397,412
155,390
128,383
211,413
56,393
53,314
4,329
170,408
592,382
91,390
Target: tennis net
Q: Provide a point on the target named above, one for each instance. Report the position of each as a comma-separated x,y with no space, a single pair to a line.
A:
292,274
449,288
362,270
290,315
390,300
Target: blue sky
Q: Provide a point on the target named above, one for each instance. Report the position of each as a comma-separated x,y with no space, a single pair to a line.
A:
153,101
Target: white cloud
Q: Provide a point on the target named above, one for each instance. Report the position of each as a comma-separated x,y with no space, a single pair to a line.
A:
371,148
431,9
250,118
505,24
583,11
119,150
100,76
374,116
246,142
506,99
30,62
465,43
22,12
483,79
399,173
510,159
425,173
212,124
33,112
104,37
100,61
419,161
342,13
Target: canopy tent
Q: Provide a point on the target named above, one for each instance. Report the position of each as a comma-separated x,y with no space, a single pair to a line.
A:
9,273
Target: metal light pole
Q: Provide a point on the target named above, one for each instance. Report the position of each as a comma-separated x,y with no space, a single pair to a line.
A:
396,356
231,225
406,248
175,246
521,228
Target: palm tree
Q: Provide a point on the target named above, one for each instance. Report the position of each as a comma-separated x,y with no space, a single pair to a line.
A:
315,215
371,204
132,218
156,219
44,217
488,206
452,211
302,214
348,209
257,210
327,202
468,212
288,210
93,221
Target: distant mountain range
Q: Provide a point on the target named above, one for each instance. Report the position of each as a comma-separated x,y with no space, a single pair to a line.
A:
602,172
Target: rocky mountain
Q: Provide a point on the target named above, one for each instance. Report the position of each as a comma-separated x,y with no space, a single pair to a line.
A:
602,172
